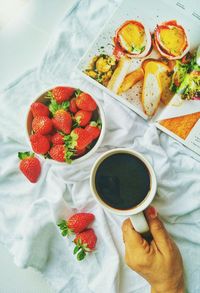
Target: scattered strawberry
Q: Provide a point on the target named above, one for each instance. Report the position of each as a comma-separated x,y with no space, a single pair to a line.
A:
57,138
61,93
60,153
42,124
40,143
39,109
72,106
83,117
85,102
30,166
93,129
62,121
85,242
78,139
76,223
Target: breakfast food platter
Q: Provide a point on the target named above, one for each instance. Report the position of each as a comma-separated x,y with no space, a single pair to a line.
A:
148,59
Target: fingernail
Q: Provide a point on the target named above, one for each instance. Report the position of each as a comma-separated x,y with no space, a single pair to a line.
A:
152,212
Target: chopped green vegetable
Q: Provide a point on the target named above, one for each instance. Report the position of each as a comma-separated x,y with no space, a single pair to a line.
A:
190,86
186,78
178,76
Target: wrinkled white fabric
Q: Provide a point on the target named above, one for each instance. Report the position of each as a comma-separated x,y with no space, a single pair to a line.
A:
29,212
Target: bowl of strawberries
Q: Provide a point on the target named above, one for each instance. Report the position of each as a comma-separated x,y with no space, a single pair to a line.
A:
65,124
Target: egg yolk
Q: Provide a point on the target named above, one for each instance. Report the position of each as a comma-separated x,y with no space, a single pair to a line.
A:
132,37
173,40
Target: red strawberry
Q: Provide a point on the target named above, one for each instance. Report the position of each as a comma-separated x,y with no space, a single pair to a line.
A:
86,102
57,138
93,129
42,124
76,223
80,139
62,121
57,153
60,153
40,143
83,117
39,109
30,166
61,93
85,242
72,106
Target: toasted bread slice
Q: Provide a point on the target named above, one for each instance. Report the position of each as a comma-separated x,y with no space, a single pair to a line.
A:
167,94
131,79
119,75
152,88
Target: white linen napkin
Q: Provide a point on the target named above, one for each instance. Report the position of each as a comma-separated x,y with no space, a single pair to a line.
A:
29,212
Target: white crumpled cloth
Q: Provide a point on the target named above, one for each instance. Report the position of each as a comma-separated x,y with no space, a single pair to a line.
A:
28,212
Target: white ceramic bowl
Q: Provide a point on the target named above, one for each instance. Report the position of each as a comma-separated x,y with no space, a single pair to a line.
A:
41,98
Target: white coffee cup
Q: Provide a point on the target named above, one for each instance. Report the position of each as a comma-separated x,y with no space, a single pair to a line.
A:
136,213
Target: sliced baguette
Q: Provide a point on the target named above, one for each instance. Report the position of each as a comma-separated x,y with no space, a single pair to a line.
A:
131,79
167,94
119,74
152,88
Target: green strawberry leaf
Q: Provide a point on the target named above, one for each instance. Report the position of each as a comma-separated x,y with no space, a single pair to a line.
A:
75,124
47,156
76,249
99,122
70,141
79,242
64,233
84,246
65,105
49,95
61,223
64,229
77,121
68,156
87,249
78,92
67,139
93,123
54,106
25,155
81,255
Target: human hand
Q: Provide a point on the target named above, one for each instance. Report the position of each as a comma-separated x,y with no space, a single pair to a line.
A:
159,261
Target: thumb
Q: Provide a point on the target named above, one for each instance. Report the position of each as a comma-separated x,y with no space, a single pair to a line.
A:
130,236
157,229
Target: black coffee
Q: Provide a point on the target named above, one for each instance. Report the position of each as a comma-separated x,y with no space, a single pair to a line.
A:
122,181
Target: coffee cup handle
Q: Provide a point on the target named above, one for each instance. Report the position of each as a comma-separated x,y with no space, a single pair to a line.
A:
139,223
